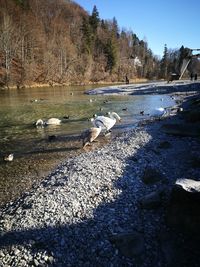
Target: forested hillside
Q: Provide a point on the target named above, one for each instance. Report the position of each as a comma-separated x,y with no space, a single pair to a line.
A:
57,41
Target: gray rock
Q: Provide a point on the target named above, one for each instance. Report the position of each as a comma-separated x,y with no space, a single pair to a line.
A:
189,185
36,262
183,208
16,251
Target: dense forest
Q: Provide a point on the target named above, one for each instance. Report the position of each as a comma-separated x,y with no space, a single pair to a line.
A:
58,42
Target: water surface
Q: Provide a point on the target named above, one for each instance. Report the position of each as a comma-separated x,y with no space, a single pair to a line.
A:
20,109
34,154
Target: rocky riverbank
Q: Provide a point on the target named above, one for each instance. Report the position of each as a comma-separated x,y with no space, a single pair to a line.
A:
108,207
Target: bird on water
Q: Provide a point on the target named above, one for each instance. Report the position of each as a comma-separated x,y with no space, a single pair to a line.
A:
51,121
106,122
89,135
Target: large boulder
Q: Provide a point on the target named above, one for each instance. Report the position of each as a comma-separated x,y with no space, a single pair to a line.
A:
183,211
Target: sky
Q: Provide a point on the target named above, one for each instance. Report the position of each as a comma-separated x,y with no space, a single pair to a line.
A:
158,22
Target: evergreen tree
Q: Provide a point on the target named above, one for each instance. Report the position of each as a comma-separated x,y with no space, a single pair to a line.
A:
115,27
103,25
164,63
94,19
87,36
110,52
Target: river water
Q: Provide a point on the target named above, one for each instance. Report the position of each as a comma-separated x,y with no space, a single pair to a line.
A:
35,155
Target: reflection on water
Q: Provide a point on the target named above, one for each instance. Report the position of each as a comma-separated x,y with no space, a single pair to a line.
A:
34,153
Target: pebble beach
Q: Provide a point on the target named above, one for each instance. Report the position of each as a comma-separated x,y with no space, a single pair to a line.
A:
102,207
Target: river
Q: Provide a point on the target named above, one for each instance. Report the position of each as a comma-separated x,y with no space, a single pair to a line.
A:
35,154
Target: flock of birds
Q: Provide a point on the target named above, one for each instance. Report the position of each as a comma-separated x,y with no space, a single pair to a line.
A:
100,124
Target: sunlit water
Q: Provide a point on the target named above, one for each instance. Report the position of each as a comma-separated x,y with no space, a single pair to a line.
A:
20,109
34,154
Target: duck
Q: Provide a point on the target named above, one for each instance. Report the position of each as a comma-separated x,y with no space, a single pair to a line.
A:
9,157
90,135
51,138
106,122
51,121
66,117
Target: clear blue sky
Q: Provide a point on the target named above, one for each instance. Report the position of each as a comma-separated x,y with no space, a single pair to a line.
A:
159,22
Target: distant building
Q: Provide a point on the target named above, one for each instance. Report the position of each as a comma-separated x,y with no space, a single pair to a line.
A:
137,62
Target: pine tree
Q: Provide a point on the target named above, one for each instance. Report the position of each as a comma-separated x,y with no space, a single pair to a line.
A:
87,36
110,52
164,63
94,19
115,28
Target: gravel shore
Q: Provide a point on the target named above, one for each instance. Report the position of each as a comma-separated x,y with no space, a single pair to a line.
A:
102,208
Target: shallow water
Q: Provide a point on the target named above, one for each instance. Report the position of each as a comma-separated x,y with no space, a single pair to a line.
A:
20,109
34,154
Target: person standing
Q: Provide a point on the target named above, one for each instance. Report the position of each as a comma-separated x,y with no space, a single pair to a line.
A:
127,80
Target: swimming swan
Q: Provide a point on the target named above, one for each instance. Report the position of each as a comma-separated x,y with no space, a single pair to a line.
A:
160,112
90,135
51,121
106,122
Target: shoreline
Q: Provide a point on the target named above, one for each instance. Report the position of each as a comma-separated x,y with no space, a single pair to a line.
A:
38,164
33,85
161,87
80,212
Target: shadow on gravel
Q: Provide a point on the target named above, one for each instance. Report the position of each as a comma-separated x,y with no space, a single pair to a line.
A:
120,233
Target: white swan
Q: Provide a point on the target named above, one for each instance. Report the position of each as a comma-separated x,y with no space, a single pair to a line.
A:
160,111
106,122
51,121
90,135
9,157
